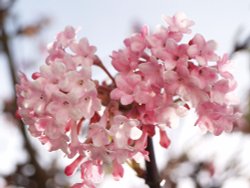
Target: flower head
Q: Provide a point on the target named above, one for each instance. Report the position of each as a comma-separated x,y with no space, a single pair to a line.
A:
98,125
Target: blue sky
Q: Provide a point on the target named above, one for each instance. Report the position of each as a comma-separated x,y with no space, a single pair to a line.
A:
106,23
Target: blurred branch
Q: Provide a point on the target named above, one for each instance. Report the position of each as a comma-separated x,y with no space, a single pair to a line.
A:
4,8
243,125
240,46
40,176
33,29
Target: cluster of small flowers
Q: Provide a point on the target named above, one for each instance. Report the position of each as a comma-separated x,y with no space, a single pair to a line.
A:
166,77
159,78
60,100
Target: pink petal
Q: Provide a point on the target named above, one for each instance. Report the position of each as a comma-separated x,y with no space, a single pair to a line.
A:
70,169
164,140
118,170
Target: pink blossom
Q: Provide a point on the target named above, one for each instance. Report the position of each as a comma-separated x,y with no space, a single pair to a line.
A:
59,93
223,66
179,23
125,87
92,172
164,140
66,37
124,61
82,48
201,50
98,125
203,77
136,43
124,129
63,40
151,73
157,40
215,117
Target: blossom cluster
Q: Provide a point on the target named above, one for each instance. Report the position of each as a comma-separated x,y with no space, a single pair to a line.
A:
101,126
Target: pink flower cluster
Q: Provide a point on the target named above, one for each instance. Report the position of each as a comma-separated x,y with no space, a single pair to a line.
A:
165,77
102,126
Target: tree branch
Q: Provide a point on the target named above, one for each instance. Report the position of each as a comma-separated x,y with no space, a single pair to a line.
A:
40,176
99,63
152,175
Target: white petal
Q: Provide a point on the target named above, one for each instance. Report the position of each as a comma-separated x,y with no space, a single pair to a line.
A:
135,133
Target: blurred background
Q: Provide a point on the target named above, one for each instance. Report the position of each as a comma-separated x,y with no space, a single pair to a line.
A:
194,159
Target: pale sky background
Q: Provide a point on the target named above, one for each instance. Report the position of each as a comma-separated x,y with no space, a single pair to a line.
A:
106,23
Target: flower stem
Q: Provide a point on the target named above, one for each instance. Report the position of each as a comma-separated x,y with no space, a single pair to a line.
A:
152,177
99,63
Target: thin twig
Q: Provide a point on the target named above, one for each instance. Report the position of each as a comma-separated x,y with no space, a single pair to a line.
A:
40,175
99,63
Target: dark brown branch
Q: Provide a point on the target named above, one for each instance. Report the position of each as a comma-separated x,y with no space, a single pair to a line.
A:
40,175
152,175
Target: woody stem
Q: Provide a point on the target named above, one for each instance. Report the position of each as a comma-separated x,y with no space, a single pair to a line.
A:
99,63
152,176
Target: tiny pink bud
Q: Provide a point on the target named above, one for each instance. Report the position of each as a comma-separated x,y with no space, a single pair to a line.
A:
69,170
164,140
35,75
